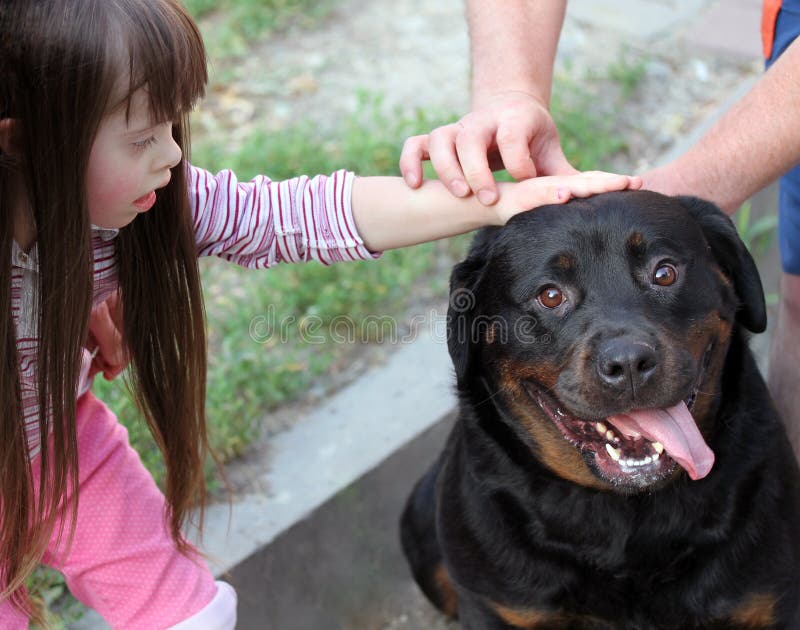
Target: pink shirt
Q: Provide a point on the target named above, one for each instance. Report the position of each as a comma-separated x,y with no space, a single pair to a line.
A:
256,224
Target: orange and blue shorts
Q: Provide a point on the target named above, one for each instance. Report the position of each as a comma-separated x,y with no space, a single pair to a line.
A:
780,25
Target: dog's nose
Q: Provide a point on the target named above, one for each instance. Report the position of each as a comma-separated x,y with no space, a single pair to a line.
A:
624,363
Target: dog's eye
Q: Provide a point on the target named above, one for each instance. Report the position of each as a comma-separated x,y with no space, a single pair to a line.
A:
665,275
550,297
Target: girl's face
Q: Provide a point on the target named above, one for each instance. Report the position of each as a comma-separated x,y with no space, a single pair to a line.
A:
129,161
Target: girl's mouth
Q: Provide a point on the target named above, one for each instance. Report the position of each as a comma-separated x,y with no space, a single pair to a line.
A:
145,202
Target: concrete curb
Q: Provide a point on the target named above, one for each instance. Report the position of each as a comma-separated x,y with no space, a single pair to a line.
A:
351,433
342,567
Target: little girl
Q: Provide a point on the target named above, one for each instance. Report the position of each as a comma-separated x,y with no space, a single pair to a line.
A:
95,199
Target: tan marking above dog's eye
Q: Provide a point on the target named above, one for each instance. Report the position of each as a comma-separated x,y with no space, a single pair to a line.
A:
550,297
665,275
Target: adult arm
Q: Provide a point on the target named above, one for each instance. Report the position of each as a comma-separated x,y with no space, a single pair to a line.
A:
755,142
513,47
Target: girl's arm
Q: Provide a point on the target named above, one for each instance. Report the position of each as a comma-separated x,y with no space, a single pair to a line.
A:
388,214
261,223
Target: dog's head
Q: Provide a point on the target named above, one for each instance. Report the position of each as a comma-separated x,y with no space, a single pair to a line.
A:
599,331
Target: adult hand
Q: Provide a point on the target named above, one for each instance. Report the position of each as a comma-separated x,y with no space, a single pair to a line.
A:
105,339
515,131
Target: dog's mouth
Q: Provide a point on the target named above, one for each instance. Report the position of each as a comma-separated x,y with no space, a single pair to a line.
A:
638,448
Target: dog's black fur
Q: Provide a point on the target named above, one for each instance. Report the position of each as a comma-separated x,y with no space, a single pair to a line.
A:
515,526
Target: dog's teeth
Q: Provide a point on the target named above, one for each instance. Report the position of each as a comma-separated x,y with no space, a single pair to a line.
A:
601,428
609,435
658,447
656,456
635,463
613,452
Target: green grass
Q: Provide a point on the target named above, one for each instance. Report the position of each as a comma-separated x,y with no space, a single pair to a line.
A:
229,27
49,591
758,236
586,112
628,71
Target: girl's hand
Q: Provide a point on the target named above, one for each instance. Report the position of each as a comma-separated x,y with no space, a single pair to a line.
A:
518,197
105,339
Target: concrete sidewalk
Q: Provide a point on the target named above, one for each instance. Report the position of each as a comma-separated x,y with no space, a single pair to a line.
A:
724,27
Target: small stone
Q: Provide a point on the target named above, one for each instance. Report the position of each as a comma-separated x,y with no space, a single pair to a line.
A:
302,84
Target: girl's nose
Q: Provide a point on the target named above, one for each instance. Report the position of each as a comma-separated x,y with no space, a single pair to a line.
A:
172,153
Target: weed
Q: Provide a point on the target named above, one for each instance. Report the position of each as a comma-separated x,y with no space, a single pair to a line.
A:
627,72
229,27
758,235
49,592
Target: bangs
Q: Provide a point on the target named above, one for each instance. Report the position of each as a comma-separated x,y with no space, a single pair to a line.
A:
165,55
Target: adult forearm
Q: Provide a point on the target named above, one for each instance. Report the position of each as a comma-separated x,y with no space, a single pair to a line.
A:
755,142
513,46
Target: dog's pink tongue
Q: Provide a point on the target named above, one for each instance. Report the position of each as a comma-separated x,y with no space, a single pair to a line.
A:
676,430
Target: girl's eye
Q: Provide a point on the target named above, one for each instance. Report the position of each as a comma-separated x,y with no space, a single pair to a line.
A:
551,297
665,275
141,145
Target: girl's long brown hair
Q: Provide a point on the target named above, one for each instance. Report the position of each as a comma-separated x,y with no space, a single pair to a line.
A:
64,65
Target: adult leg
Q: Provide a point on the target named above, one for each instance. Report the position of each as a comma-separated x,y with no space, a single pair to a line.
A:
784,365
784,360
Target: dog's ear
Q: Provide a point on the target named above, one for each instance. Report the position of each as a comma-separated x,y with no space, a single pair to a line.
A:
733,258
464,281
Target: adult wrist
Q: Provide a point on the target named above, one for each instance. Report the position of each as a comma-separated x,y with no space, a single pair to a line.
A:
487,98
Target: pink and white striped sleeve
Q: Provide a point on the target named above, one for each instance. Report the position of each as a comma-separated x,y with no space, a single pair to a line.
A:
261,223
